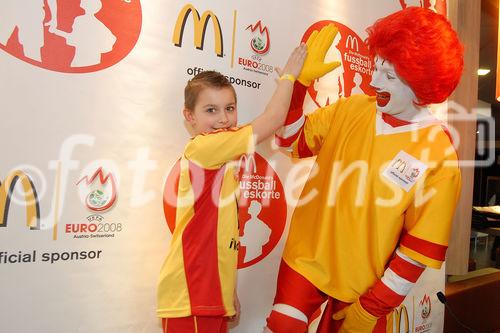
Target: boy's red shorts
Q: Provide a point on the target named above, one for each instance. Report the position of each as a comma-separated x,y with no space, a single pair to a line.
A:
195,324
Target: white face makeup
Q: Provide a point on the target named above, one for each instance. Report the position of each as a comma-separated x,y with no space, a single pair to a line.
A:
394,96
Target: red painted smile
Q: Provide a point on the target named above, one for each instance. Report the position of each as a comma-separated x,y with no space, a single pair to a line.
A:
383,98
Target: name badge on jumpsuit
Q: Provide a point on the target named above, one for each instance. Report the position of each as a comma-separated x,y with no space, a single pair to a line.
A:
404,170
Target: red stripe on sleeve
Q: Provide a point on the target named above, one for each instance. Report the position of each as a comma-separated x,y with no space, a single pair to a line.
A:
426,248
296,108
380,300
282,142
302,147
405,269
295,112
199,244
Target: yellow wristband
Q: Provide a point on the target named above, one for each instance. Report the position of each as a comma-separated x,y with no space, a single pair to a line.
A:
288,77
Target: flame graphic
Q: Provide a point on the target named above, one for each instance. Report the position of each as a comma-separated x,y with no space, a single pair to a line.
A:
262,30
103,179
425,303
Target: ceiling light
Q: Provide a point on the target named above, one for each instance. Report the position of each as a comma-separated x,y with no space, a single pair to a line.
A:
482,71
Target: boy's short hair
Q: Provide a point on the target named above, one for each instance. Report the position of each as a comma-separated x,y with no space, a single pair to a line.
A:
206,79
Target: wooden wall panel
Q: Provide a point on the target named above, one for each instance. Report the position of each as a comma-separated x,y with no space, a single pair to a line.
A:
465,16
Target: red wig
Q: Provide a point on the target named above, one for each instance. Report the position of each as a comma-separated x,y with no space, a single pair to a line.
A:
424,49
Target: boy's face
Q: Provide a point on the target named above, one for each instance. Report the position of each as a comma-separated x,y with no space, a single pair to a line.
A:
214,109
393,94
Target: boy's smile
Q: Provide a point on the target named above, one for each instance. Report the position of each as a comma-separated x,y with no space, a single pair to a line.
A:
215,109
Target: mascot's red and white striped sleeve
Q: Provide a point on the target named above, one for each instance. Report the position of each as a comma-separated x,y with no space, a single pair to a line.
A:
390,291
295,119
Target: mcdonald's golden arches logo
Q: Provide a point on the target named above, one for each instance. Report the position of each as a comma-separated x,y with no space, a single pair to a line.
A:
200,28
30,199
401,317
400,165
247,161
352,42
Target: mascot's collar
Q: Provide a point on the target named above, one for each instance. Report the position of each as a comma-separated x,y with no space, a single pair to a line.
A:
393,121
389,124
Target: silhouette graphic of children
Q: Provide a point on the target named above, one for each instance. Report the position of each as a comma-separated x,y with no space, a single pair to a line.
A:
358,80
256,233
28,18
330,87
90,37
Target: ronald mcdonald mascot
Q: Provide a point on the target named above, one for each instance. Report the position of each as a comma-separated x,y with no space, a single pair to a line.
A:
378,205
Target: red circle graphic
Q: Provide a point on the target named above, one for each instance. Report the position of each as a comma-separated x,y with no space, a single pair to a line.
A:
71,36
354,74
262,208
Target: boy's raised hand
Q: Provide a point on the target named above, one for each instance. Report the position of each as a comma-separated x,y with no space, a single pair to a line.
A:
276,110
295,62
318,44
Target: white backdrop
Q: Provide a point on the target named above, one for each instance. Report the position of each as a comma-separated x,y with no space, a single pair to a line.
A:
65,115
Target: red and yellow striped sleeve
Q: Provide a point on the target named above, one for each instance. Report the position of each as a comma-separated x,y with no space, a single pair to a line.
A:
212,150
428,220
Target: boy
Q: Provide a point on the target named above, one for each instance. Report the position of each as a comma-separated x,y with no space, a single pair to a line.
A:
197,287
